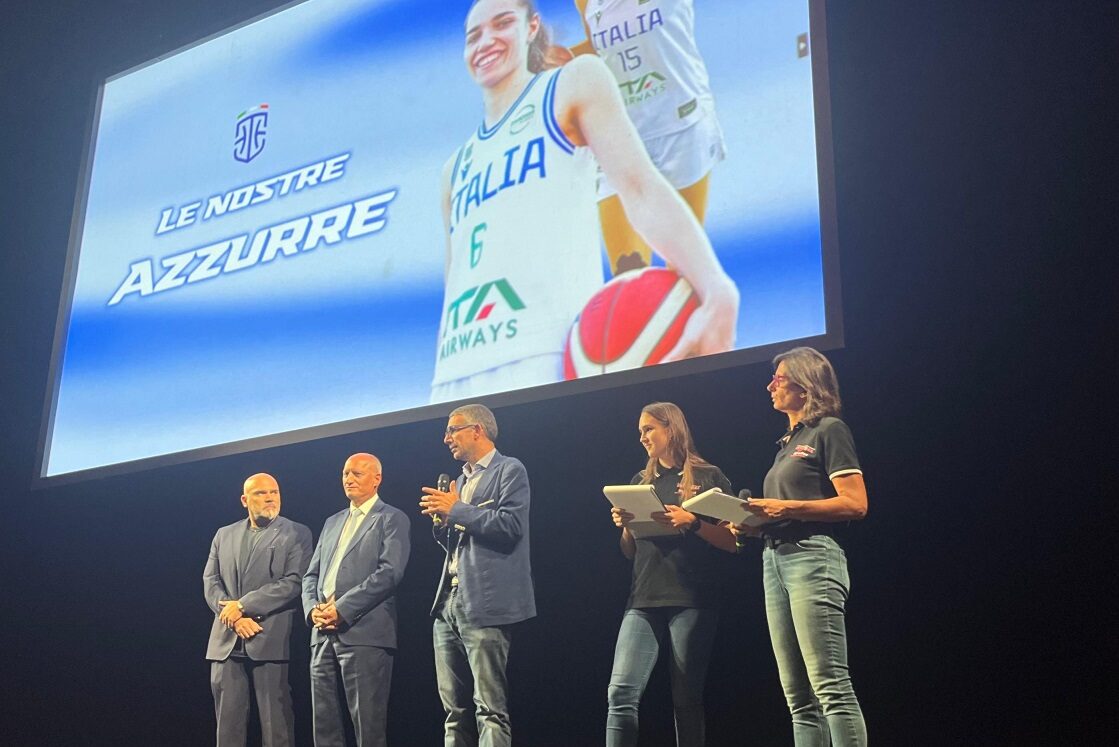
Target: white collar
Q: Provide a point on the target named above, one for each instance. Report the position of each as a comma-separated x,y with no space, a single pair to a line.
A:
481,464
366,507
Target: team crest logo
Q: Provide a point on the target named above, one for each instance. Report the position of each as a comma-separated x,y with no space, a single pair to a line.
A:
522,119
252,126
467,155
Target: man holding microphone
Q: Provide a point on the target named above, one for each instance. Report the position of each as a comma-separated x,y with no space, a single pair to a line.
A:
482,523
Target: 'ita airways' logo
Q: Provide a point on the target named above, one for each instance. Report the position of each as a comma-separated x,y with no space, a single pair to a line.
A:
477,303
471,322
643,87
252,126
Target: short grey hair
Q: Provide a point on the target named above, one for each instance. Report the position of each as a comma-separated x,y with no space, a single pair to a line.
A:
480,414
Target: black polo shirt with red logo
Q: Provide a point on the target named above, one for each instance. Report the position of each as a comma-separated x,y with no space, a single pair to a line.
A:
681,570
808,458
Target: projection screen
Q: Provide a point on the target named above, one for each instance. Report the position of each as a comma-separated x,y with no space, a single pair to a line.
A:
308,224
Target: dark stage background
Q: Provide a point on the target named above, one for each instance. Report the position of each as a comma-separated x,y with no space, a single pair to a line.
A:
976,217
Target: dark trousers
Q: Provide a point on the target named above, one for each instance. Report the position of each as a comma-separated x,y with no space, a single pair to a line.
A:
353,679
231,682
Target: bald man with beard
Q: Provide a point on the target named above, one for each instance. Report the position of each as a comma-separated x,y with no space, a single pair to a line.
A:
349,599
252,583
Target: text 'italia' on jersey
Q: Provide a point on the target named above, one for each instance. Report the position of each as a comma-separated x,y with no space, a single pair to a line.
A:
486,181
627,30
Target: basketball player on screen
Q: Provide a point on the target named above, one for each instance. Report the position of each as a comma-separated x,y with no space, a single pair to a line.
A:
519,204
652,52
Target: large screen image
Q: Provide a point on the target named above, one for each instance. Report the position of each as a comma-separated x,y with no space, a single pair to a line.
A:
350,211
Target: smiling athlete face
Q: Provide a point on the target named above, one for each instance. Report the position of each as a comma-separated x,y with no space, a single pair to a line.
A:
498,34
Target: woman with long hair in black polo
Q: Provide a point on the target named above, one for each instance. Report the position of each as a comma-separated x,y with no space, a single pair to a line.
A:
673,598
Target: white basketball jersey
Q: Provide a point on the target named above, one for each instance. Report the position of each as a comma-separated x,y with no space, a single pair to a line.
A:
525,253
650,47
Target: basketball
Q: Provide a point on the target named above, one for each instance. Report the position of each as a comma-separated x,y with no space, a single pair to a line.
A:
632,321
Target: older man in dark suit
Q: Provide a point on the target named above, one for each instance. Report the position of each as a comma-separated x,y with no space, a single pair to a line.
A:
486,585
349,597
252,583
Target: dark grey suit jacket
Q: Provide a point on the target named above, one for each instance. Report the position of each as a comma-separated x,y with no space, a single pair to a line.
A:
268,589
371,569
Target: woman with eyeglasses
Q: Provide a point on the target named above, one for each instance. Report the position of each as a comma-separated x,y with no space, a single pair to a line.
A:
674,592
815,484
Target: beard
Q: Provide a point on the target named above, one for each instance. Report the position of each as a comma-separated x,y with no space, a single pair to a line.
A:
264,519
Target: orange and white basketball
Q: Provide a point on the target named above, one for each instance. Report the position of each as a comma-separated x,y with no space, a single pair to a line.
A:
633,321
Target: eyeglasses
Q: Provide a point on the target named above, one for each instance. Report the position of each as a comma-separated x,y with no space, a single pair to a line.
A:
453,429
779,379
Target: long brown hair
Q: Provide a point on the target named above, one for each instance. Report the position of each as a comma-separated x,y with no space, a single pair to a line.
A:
681,448
812,372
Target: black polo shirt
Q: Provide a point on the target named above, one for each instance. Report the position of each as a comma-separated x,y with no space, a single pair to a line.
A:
808,458
679,570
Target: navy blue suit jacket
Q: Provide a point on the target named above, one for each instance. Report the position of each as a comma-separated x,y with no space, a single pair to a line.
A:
371,569
494,570
268,588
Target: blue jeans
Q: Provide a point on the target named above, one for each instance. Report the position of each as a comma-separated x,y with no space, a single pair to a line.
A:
470,671
806,587
690,635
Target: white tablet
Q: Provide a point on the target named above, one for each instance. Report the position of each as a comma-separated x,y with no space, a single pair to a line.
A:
642,502
718,505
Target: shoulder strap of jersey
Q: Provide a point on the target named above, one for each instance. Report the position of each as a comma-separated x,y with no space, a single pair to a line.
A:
550,122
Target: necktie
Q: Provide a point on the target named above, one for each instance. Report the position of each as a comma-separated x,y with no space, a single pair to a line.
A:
331,577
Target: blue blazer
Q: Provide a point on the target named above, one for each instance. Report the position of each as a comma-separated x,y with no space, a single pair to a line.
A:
268,589
494,571
371,569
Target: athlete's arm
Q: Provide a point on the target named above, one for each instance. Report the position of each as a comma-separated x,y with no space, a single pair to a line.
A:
590,111
585,46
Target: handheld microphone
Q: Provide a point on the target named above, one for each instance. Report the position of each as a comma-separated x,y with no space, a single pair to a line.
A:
739,540
442,484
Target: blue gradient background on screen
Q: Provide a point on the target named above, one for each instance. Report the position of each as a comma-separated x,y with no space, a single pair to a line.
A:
349,330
